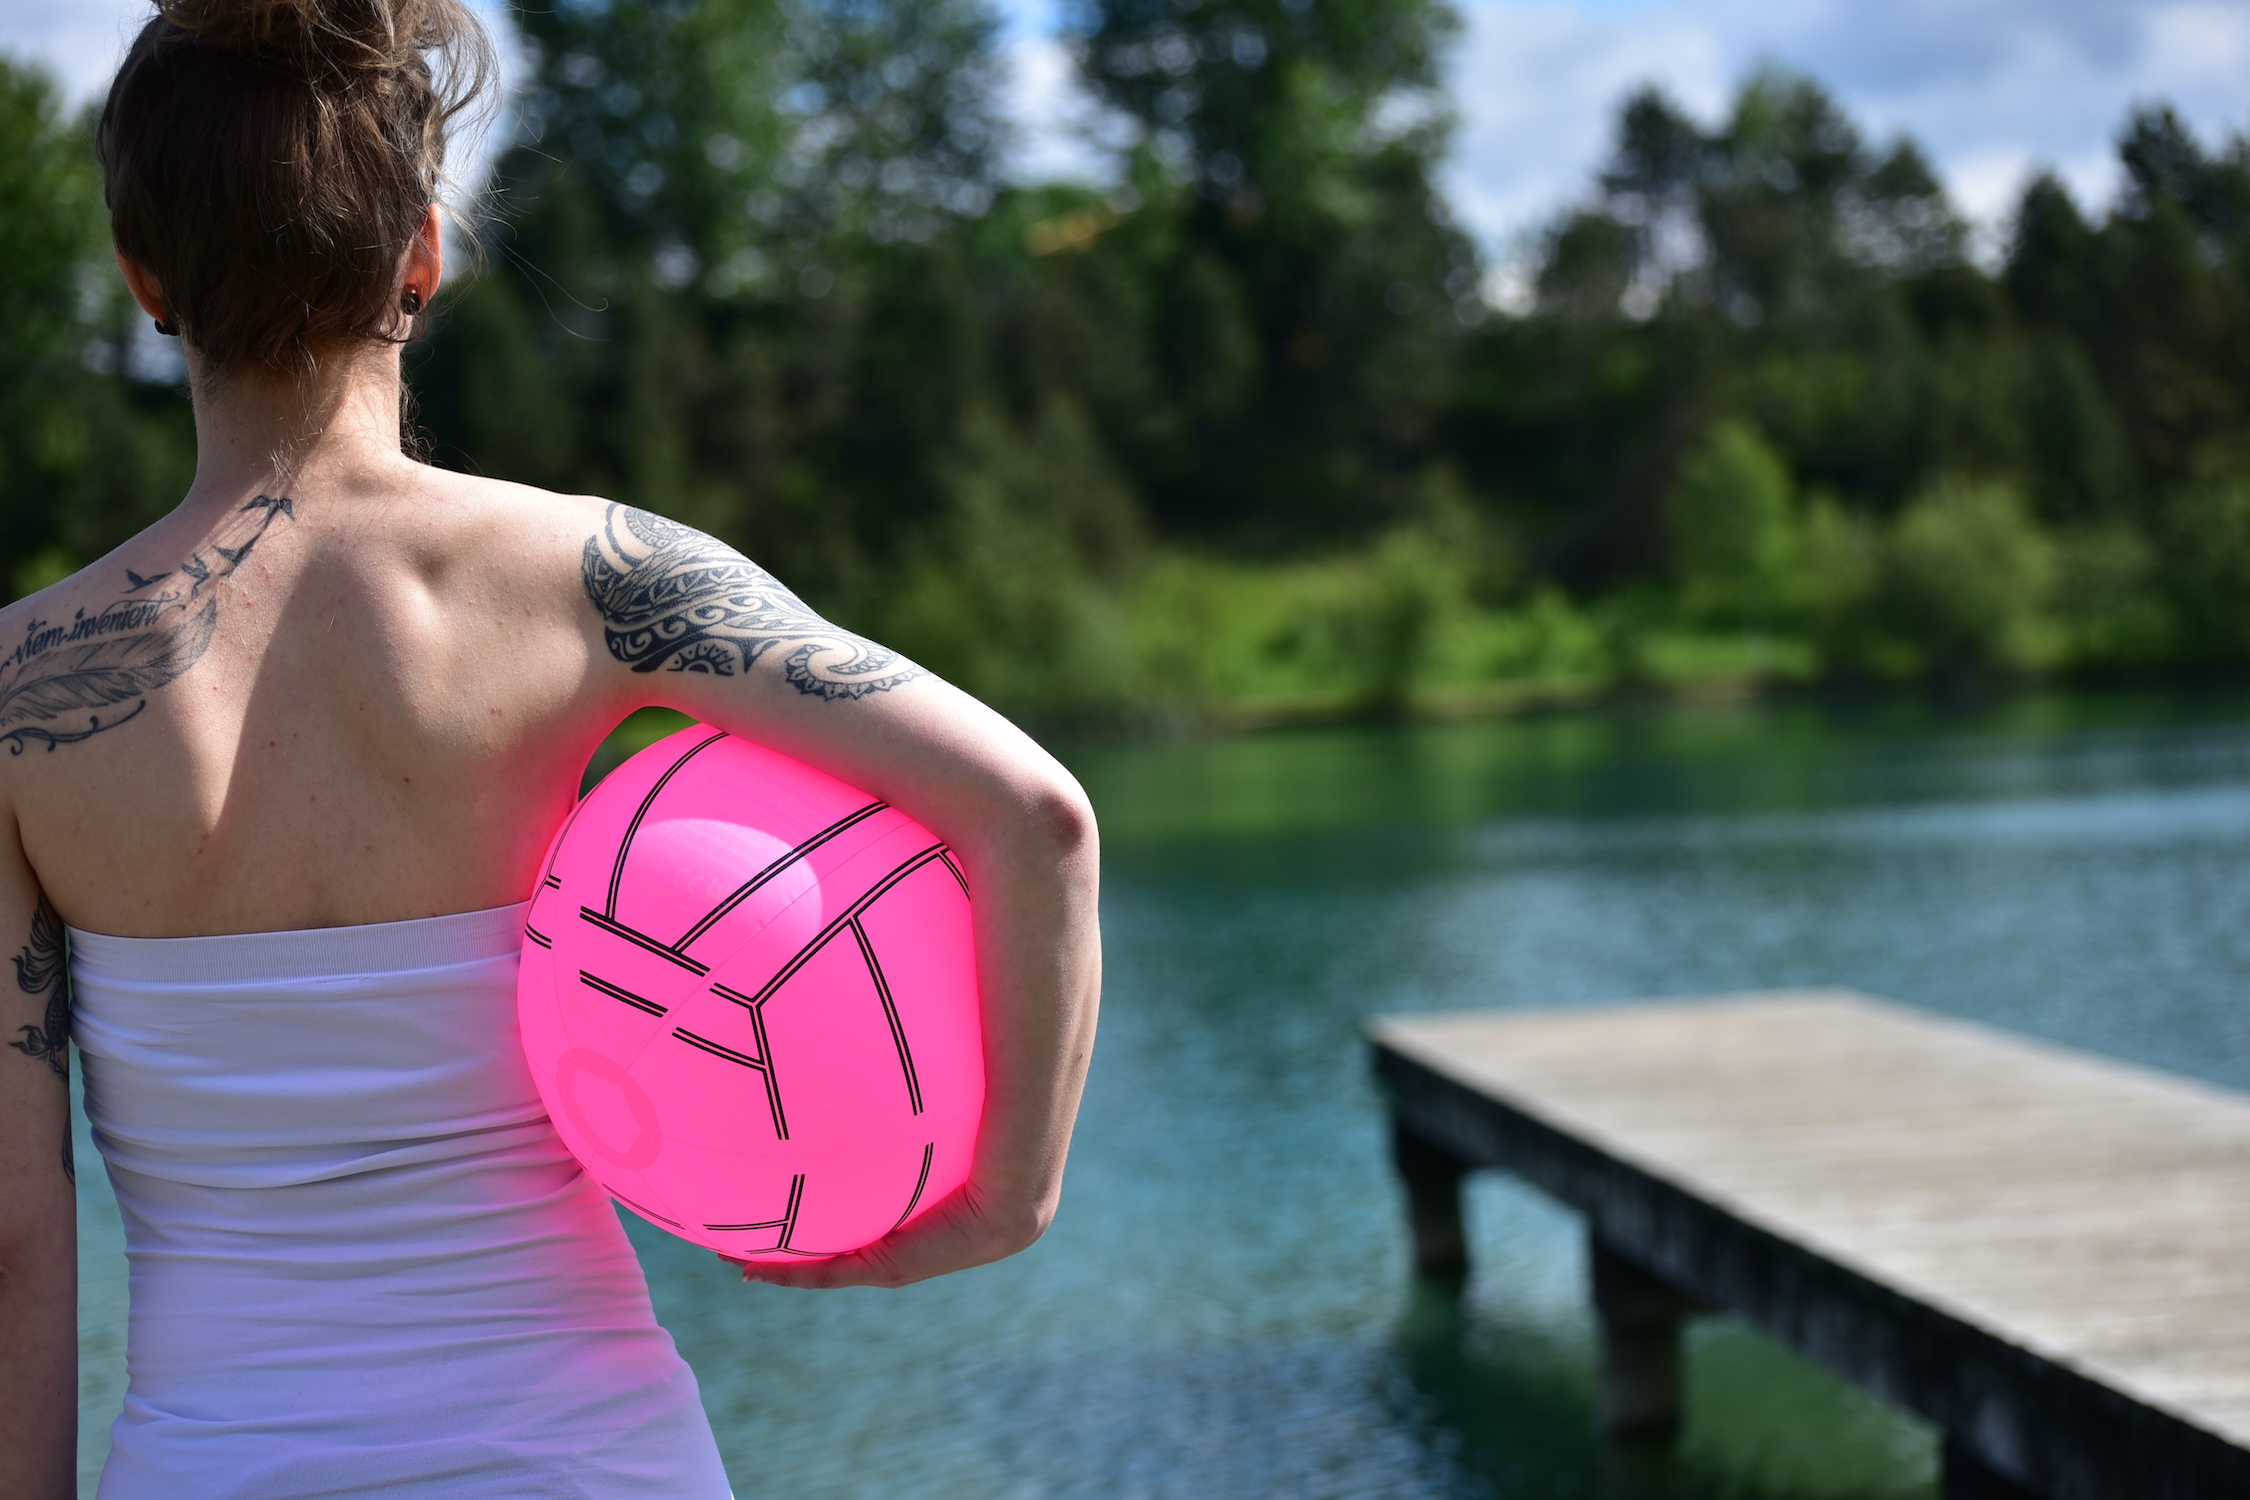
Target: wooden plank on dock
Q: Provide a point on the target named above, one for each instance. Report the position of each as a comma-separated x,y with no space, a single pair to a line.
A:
2045,1252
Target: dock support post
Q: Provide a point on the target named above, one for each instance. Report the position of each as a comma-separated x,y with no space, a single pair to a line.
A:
1433,1203
1964,1476
1641,1317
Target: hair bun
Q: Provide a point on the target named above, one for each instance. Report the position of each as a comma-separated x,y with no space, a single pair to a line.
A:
344,37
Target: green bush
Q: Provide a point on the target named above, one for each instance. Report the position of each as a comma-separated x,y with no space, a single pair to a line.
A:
1551,640
1967,574
1388,630
1830,594
1367,632
1733,525
1206,633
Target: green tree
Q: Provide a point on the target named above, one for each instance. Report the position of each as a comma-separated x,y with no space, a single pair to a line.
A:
1312,248
728,281
87,455
2208,536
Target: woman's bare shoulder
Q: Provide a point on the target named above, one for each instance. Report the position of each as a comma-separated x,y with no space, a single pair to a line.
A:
502,543
471,510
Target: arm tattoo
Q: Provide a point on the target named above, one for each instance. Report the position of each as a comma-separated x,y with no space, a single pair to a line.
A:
73,674
43,972
673,599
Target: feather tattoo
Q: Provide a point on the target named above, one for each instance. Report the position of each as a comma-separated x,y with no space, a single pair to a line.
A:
63,683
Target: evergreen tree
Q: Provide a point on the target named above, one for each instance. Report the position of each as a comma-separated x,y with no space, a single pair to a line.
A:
1306,313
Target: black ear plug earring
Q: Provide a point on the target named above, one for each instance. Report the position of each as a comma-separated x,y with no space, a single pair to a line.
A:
168,326
411,302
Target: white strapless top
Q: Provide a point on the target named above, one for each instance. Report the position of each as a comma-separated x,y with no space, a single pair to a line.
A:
362,1263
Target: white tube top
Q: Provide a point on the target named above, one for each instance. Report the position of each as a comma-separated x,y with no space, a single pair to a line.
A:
361,1260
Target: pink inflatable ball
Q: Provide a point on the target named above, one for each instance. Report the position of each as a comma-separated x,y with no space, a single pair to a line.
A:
749,999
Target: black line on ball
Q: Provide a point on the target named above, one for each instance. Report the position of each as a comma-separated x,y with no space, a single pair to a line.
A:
890,1014
643,940
537,936
787,1223
762,1064
919,1184
619,992
625,845
643,1212
743,893
850,914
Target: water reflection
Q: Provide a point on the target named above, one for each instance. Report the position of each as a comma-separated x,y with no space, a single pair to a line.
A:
1225,1309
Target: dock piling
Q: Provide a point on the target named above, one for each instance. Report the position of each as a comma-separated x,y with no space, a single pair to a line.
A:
1962,1475
1641,1317
1432,1177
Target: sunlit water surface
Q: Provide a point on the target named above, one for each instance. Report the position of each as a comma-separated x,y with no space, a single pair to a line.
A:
1224,1308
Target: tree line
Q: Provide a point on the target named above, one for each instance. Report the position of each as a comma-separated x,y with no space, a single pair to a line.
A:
1239,434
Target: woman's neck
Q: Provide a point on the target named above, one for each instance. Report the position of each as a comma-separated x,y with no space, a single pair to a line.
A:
260,433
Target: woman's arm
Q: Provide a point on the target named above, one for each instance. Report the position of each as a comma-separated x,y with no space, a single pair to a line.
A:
38,1201
691,624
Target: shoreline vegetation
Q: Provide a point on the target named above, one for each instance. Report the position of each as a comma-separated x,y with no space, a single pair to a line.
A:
1241,438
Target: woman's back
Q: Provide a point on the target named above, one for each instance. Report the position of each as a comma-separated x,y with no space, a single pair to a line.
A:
368,699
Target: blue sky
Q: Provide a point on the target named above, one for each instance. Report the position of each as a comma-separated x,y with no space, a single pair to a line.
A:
1991,87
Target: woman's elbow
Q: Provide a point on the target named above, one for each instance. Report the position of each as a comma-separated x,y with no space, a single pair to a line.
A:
1043,819
1061,817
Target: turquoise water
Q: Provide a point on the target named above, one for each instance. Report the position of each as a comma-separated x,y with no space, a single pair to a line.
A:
1224,1307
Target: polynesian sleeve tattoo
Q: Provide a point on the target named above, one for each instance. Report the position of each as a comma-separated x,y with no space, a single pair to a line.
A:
63,683
672,599
43,973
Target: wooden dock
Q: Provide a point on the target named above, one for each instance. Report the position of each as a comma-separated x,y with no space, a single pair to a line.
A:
2045,1253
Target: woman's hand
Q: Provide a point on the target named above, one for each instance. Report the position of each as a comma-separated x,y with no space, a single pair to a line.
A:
962,1231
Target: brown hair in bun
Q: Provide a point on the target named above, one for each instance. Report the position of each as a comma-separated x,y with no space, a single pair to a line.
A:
269,161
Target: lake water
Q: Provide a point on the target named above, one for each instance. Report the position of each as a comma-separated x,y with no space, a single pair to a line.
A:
1224,1307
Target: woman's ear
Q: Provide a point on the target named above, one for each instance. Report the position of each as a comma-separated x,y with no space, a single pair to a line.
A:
425,258
142,285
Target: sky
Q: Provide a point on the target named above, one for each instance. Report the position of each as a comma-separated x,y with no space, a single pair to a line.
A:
1993,89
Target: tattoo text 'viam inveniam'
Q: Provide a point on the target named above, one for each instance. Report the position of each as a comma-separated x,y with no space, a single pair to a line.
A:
63,683
673,599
